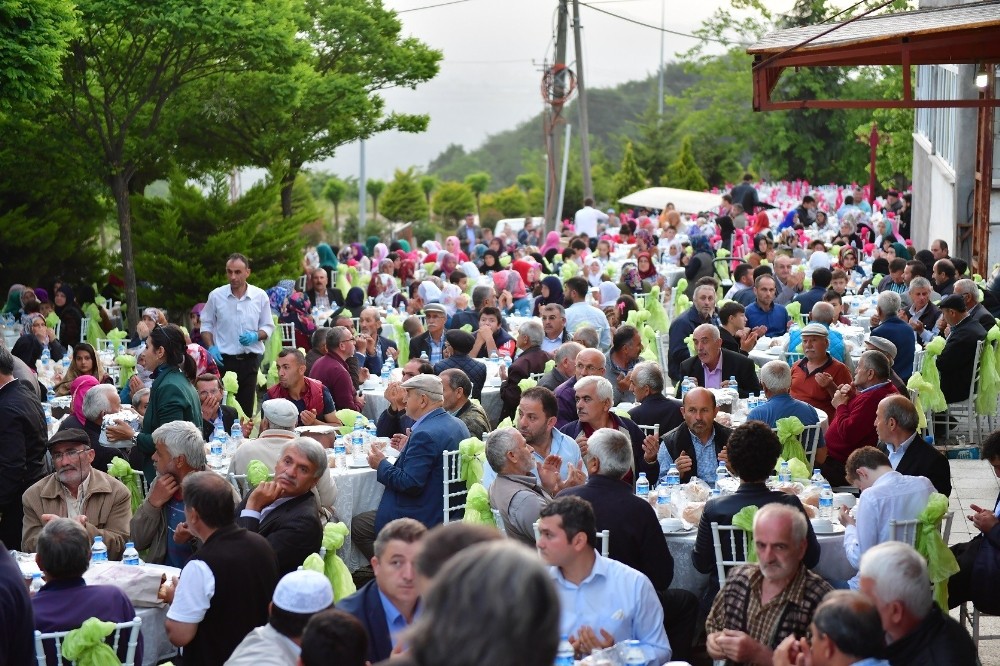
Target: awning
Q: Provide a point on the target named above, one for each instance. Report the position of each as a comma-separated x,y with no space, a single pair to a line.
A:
685,201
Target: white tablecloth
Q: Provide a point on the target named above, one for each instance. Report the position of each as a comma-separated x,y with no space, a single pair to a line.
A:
357,491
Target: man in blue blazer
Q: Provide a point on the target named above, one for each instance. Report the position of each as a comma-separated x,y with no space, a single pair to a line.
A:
414,485
386,605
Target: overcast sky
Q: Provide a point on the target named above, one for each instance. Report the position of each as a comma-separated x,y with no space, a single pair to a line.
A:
491,72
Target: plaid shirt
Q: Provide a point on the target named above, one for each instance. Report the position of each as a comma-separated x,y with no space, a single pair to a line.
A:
738,606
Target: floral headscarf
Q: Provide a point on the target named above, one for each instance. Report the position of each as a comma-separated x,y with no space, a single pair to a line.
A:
389,290
630,276
644,236
277,296
298,313
511,281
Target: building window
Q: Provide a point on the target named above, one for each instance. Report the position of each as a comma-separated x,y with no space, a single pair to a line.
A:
938,125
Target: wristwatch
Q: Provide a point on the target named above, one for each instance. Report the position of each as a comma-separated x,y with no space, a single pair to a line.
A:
135,438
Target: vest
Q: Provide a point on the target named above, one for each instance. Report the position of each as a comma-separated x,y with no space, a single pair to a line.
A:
312,394
246,572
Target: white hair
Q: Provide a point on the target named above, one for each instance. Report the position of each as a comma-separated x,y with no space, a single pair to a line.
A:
97,401
182,438
888,303
603,389
776,376
900,574
533,330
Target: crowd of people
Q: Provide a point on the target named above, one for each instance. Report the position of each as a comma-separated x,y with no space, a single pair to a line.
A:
562,457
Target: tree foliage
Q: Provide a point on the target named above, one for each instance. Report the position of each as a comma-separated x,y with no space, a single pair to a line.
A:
629,177
181,241
683,173
374,189
477,183
509,202
453,201
403,199
34,36
333,191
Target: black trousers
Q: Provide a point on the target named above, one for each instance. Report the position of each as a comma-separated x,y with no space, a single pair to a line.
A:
680,618
835,472
245,366
11,524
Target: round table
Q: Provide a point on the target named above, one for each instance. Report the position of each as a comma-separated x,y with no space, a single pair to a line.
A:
358,491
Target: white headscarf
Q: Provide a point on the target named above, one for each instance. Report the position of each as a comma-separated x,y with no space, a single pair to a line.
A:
609,292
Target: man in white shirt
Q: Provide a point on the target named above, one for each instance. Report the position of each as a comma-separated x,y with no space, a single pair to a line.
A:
580,312
587,218
234,324
885,495
603,601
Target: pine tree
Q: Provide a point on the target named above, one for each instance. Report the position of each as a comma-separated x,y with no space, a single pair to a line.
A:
684,173
403,199
629,177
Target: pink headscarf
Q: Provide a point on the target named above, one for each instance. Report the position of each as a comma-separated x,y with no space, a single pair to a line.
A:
551,241
511,281
78,389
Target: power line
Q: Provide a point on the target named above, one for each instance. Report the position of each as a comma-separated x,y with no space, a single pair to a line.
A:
655,27
441,4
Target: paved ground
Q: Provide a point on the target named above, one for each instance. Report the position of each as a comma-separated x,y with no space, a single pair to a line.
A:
973,482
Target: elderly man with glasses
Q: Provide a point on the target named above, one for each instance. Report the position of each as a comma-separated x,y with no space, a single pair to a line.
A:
98,501
332,371
589,363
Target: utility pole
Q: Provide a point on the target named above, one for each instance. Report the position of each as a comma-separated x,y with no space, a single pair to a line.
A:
663,16
588,185
558,92
362,196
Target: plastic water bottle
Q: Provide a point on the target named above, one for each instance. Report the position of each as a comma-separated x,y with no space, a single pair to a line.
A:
495,360
98,552
673,483
785,473
634,656
358,436
424,356
36,583
46,355
721,473
507,361
384,376
235,437
642,486
218,442
130,555
817,478
564,655
826,502
50,395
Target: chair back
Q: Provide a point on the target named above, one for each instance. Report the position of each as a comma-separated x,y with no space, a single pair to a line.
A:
140,482
663,349
904,530
287,334
454,492
240,483
84,325
649,429
300,284
498,520
734,554
537,376
791,358
58,329
946,526
810,442
918,360
129,629
605,538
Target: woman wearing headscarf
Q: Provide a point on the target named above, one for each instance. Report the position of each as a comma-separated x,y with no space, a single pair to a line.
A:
388,295
647,271
13,305
511,282
902,251
491,262
447,263
327,258
552,241
297,309
552,292
701,264
592,270
355,301
36,337
370,244
380,252
69,315
848,261
452,244
85,362
277,296
630,282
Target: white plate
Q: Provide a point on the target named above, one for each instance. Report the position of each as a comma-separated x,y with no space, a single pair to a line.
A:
835,528
774,351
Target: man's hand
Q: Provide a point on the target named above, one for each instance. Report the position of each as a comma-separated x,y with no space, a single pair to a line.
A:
364,374
824,380
748,341
396,395
399,441
739,647
120,431
360,402
983,519
264,495
166,592
210,407
724,456
793,652
549,473
684,463
650,447
308,417
365,344
375,457
163,490
842,396
182,535
581,441
875,320
574,476
845,516
587,641
392,353
46,517
623,382
246,425
502,371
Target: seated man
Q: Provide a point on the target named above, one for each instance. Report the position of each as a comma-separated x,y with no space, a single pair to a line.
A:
565,358
955,361
885,495
431,341
762,604
894,576
736,336
377,348
821,278
277,428
283,511
413,485
98,402
159,524
635,536
589,363
554,326
975,580
97,501
387,604
626,345
702,311
333,637
66,601
776,379
312,400
853,424
816,377
603,601
459,344
224,590
654,409
214,414
846,629
394,422
753,451
896,331
298,597
764,311
896,421
825,314
712,366
456,387
695,446
531,361
922,315
515,492
332,370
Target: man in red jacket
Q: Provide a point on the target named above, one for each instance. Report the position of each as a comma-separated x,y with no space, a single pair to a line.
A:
853,422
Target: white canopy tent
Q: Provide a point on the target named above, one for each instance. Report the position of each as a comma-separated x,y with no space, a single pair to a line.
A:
685,201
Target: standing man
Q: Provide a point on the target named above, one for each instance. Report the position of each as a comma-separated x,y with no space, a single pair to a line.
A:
765,311
896,425
331,370
234,324
224,591
470,232
603,601
531,360
587,219
578,311
22,456
310,397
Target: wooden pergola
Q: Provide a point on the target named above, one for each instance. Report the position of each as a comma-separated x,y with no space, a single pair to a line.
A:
960,34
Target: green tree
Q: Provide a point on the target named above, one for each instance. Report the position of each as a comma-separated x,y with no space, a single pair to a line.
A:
427,185
179,240
653,148
129,62
509,202
374,188
683,173
403,199
895,127
453,201
477,183
629,177
334,190
34,39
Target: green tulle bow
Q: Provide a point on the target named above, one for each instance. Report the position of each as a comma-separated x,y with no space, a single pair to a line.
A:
121,470
794,310
658,319
347,418
921,390
231,386
257,473
333,567
989,379
744,520
934,400
471,456
941,562
477,507
790,431
86,647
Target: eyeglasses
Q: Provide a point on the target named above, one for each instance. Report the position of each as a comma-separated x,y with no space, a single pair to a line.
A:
56,457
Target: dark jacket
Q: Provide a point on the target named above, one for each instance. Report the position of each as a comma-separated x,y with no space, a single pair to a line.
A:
657,409
391,422
366,606
733,365
421,344
730,342
473,369
636,538
899,333
922,459
375,362
955,362
680,328
293,530
24,436
229,416
652,470
531,361
678,441
939,640
335,295
809,298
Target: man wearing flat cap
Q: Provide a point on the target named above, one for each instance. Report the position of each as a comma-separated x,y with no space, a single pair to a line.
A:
431,341
413,486
298,596
955,363
98,501
880,344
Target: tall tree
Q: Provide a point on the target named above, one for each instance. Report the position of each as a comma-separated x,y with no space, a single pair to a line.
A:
629,177
130,60
374,188
683,173
34,37
334,190
477,183
453,201
403,199
428,184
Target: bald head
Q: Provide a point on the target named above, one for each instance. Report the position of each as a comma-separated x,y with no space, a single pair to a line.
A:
589,363
823,313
